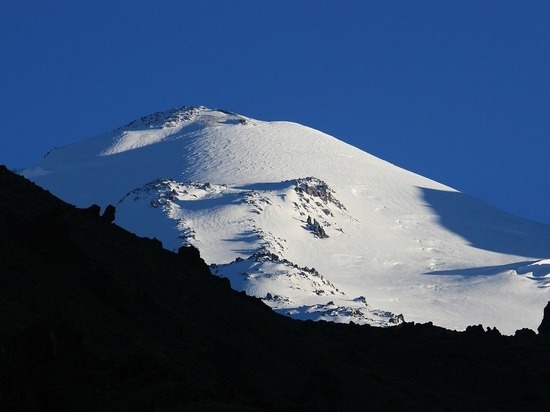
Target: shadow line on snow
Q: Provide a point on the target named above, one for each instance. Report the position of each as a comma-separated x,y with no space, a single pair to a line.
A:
486,227
248,237
482,270
266,186
539,273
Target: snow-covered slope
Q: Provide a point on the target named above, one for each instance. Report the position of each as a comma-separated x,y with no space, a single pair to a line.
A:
317,228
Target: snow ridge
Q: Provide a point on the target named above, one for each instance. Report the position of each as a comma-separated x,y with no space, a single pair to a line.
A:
265,202
265,273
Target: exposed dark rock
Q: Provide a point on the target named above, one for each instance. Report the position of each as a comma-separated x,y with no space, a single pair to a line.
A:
109,214
544,327
316,228
192,255
162,120
494,332
95,318
315,187
475,330
397,319
224,281
525,333
94,210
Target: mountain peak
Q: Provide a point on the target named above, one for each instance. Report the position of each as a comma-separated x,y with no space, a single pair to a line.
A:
161,120
182,116
238,190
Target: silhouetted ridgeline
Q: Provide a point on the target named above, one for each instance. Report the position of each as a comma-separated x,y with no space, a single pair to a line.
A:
94,318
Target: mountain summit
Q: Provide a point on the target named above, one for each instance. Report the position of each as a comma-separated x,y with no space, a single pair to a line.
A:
315,227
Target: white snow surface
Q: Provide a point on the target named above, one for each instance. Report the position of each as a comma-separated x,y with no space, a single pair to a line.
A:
315,227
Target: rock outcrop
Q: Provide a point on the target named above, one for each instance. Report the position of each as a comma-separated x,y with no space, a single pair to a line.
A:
544,327
95,318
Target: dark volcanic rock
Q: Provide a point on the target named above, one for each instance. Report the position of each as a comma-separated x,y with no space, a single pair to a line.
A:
94,210
109,214
544,327
525,333
94,318
475,330
191,253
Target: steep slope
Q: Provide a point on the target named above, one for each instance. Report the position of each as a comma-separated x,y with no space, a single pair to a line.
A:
94,318
314,226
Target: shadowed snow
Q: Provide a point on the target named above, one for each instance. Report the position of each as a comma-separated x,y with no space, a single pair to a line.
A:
239,188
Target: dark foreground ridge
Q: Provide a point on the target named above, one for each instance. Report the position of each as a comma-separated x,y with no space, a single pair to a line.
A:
94,318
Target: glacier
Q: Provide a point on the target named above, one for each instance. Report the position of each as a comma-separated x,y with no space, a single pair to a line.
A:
316,228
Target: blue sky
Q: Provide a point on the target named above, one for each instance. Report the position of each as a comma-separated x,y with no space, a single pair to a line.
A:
458,91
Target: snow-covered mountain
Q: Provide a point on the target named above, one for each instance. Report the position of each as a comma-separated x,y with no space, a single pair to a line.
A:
315,227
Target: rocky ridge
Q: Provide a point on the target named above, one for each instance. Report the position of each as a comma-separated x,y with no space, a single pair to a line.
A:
96,318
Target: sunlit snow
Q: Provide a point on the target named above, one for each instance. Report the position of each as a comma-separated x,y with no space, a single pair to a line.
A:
315,227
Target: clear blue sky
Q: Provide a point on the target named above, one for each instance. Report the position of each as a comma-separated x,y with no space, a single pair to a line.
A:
458,91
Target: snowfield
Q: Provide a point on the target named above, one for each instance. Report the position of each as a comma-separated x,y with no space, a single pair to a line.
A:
315,227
